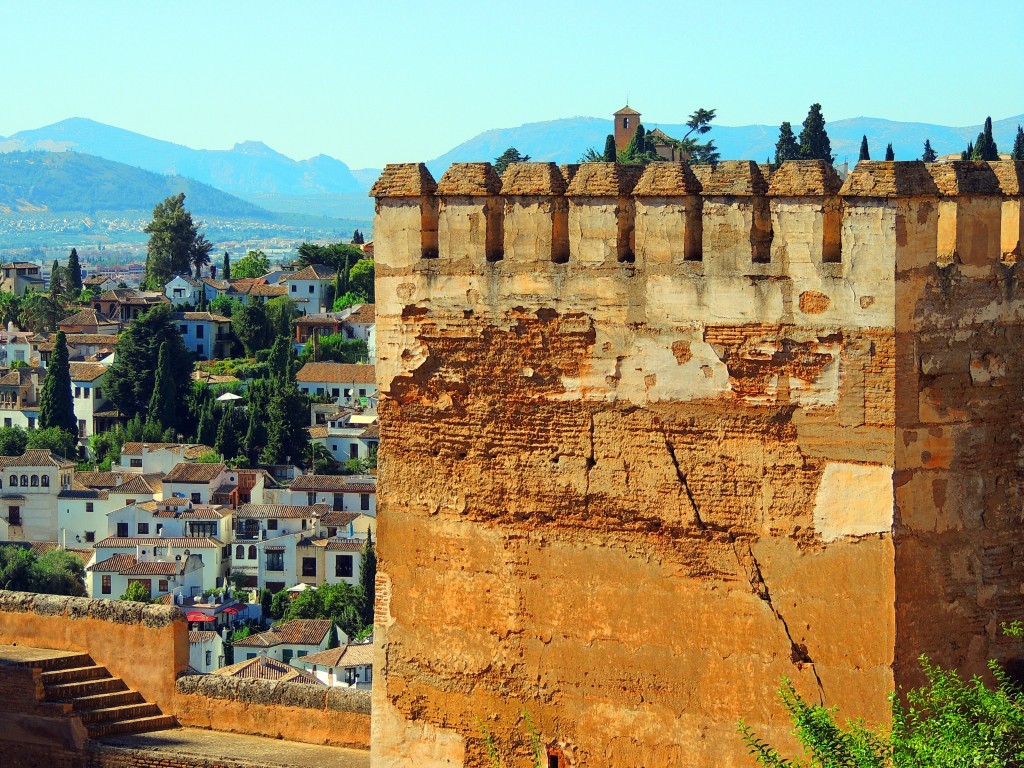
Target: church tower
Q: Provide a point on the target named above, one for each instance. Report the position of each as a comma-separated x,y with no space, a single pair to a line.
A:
626,121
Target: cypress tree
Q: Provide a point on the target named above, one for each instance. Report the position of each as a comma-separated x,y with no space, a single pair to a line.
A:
929,155
56,283
610,155
229,433
206,433
226,270
786,148
56,405
74,273
889,154
368,578
864,153
163,404
358,238
985,148
1018,145
968,153
814,141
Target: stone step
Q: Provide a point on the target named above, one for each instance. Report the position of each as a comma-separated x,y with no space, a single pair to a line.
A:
136,725
74,674
104,700
122,712
56,662
66,691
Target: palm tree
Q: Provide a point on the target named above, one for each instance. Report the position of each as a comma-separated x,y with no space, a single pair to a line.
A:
199,254
9,308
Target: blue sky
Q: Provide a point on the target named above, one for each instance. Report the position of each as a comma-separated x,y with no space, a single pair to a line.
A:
393,80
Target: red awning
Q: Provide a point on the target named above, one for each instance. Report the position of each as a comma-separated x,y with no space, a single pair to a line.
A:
199,617
230,609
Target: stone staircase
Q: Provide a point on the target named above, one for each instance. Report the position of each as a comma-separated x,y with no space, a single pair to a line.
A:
76,686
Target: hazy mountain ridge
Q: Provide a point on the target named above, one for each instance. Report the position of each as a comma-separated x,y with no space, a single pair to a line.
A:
250,167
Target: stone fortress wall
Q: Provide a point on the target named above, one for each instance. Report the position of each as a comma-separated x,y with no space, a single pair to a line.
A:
653,439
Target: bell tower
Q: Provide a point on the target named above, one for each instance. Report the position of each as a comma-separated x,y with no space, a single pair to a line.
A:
626,121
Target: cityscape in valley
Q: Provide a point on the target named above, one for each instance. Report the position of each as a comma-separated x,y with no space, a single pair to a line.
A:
640,440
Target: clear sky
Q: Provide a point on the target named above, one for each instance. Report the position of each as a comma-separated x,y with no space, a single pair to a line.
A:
382,81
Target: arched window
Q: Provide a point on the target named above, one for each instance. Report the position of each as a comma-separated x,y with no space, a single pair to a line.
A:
239,552
14,481
46,481
252,553
35,481
24,481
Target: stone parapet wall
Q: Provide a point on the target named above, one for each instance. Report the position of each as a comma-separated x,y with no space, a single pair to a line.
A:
145,645
293,711
691,431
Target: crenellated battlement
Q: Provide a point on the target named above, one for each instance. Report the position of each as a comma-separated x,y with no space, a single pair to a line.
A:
730,219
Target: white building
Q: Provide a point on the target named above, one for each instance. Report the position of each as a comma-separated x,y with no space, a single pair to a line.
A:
293,639
15,346
182,289
29,487
87,380
348,434
110,577
158,457
204,333
19,397
205,650
349,666
342,493
83,510
346,383
201,483
308,287
210,552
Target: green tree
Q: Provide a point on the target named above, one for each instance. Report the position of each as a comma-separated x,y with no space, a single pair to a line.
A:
175,243
136,592
10,307
206,431
131,378
368,578
287,419
985,147
40,312
929,155
358,238
73,272
56,403
1017,153
164,401
889,154
610,154
335,348
506,158
281,313
12,441
864,153
814,141
341,603
53,573
225,305
968,153
347,300
225,272
253,264
787,147
56,280
360,278
337,256
592,156
230,432
249,324
55,439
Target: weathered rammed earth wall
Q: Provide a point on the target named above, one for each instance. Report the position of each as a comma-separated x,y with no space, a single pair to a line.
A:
313,714
145,645
651,442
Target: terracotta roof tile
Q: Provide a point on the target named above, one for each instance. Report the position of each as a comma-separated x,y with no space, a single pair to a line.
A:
280,511
37,457
363,314
104,479
200,316
141,484
189,472
201,636
127,564
87,371
295,632
336,483
345,545
335,519
355,655
191,450
265,668
181,542
337,373
313,272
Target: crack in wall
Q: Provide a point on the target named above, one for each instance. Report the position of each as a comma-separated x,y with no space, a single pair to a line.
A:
798,651
682,481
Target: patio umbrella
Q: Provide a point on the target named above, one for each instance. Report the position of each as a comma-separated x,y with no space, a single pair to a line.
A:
198,617
232,610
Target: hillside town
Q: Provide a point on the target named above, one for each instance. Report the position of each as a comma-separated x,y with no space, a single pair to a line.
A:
196,514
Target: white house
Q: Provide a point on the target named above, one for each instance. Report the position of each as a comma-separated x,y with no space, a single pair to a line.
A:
158,457
343,493
110,577
87,380
15,346
182,289
258,666
170,518
347,383
348,434
205,650
210,552
293,639
19,397
308,287
201,483
349,666
83,510
361,323
29,487
204,333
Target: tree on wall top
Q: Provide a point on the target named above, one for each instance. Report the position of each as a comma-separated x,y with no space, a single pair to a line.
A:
1018,145
506,158
814,141
889,153
985,147
864,153
929,155
786,148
